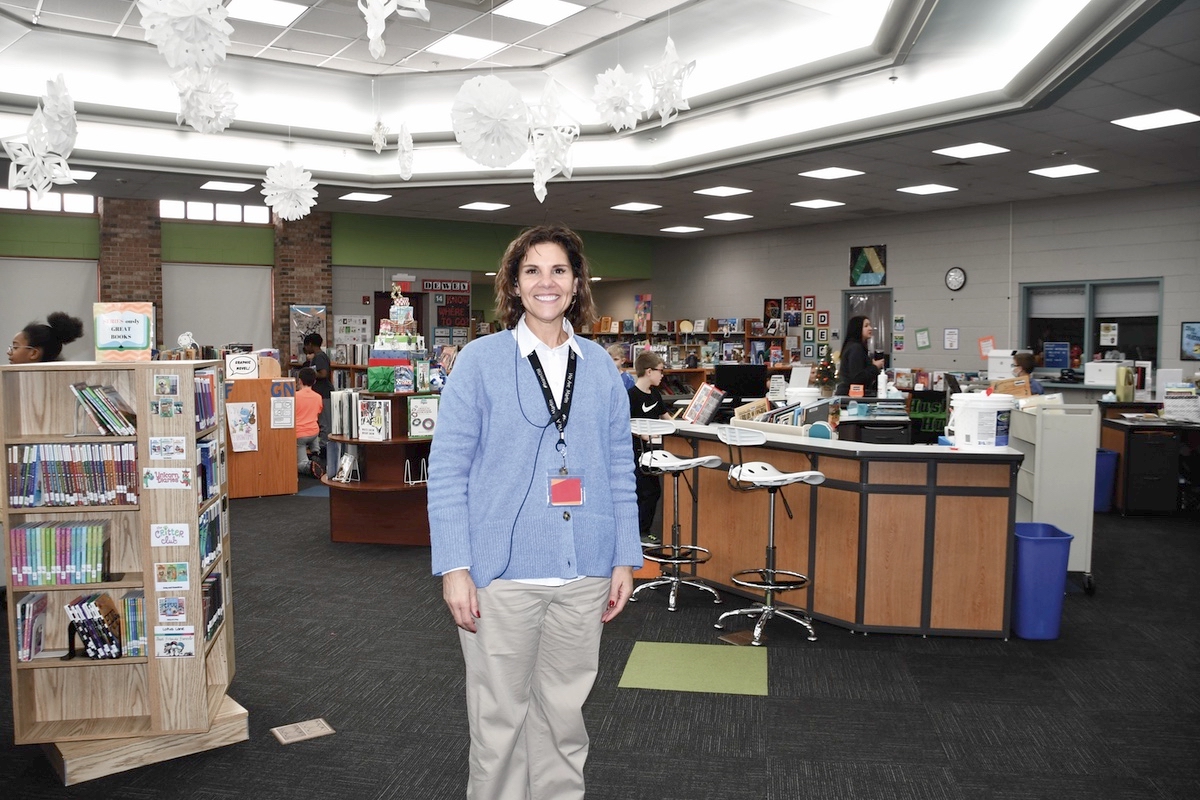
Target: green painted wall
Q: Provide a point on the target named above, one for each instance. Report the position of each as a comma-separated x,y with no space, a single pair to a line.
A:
369,241
217,243
31,235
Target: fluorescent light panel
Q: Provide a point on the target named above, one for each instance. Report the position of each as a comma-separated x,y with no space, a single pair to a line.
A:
728,216
830,173
974,150
82,174
681,229
467,47
635,207
268,12
1160,119
227,186
540,12
927,188
818,203
1065,171
722,191
481,206
364,197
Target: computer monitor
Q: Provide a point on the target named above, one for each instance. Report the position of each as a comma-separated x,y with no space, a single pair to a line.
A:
741,380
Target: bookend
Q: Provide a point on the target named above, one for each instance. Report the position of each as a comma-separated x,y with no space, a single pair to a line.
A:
80,411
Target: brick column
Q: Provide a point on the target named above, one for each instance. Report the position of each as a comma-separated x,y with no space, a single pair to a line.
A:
303,273
130,264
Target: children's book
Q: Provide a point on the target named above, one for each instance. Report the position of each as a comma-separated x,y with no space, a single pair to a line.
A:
422,416
374,420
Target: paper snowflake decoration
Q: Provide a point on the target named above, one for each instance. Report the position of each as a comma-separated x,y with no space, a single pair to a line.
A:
33,165
205,102
551,138
490,121
376,13
666,82
413,8
406,152
379,136
58,117
290,191
619,97
189,33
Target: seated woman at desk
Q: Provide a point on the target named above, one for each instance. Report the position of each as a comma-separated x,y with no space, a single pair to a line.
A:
856,365
1023,367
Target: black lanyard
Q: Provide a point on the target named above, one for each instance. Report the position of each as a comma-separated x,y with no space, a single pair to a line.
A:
558,412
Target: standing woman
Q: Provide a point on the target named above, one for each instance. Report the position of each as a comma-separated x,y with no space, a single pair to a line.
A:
39,342
533,519
855,365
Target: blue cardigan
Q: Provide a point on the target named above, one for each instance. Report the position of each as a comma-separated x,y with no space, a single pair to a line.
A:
483,472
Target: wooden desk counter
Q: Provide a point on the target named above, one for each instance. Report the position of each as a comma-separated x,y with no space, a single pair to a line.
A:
905,539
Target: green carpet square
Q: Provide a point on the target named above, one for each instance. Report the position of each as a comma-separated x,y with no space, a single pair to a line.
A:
696,668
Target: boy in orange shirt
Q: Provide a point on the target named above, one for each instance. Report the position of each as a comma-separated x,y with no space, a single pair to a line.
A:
308,429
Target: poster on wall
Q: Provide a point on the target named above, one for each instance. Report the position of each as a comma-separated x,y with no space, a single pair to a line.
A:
455,312
304,320
868,265
1189,341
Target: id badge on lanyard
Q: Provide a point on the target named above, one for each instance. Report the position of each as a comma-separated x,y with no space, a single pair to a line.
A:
564,486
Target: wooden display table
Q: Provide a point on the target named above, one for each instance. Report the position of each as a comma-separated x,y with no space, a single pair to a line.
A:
899,539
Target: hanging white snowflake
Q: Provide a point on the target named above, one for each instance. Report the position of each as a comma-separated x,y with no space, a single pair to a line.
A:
58,114
619,97
379,136
490,121
551,139
406,152
290,191
666,81
189,33
376,13
413,8
205,102
33,165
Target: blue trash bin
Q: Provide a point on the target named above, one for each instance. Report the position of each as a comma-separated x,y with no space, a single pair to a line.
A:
1039,580
1106,473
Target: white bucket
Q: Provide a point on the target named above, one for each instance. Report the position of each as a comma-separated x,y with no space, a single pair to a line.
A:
983,420
957,401
803,395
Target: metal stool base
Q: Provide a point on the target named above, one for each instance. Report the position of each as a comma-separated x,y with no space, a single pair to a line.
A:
764,613
675,556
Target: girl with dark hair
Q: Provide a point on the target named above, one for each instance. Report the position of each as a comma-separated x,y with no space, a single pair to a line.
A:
39,342
856,365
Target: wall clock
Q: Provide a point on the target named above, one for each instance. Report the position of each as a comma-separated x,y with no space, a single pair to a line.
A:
956,278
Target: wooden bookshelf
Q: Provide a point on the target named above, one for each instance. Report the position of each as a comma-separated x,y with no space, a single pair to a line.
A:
271,469
385,506
127,711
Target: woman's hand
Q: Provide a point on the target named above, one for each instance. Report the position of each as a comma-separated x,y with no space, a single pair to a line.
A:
618,594
879,362
458,590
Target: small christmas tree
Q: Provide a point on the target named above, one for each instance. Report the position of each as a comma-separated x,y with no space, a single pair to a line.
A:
825,373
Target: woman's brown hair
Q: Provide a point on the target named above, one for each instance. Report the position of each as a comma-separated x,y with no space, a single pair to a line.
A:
509,307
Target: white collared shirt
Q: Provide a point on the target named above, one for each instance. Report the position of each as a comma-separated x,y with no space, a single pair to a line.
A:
554,359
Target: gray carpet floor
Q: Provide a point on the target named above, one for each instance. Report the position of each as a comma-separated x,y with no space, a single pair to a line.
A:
358,634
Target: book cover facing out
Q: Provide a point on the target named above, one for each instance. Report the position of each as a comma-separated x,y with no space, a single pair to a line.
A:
124,331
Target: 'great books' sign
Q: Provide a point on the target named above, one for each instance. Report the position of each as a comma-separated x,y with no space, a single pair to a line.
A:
124,331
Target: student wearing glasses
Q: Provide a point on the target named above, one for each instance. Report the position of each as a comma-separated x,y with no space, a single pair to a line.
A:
39,342
646,402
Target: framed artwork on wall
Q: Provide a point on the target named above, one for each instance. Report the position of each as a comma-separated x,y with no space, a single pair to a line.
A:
810,319
772,308
810,302
822,334
1189,341
823,318
809,352
868,265
810,335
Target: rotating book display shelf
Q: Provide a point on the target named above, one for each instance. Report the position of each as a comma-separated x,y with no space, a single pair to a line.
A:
386,504
155,500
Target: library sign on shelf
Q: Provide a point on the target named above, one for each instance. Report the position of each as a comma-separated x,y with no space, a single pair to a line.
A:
124,331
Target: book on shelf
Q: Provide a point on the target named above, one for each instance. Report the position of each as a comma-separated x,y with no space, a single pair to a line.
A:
422,416
704,405
758,352
79,474
31,625
212,602
343,413
106,408
133,623
775,355
403,379
205,399
58,552
374,420
752,409
97,624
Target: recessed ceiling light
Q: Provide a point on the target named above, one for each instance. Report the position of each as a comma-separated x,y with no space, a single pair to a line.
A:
728,216
82,174
818,203
490,274
541,12
227,186
268,12
681,229
722,191
927,188
1161,119
1065,171
830,173
364,197
481,206
468,47
594,278
635,207
971,150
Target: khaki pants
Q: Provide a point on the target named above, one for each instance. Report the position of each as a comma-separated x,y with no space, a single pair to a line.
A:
529,668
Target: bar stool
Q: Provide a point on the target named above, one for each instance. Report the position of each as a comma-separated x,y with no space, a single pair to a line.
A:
747,476
672,555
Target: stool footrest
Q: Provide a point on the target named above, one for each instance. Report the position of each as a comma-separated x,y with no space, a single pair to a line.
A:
777,580
676,554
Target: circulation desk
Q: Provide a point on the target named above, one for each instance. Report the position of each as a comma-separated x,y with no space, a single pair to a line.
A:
899,538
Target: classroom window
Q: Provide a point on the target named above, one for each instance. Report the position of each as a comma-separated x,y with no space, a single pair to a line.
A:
22,200
208,212
1097,317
